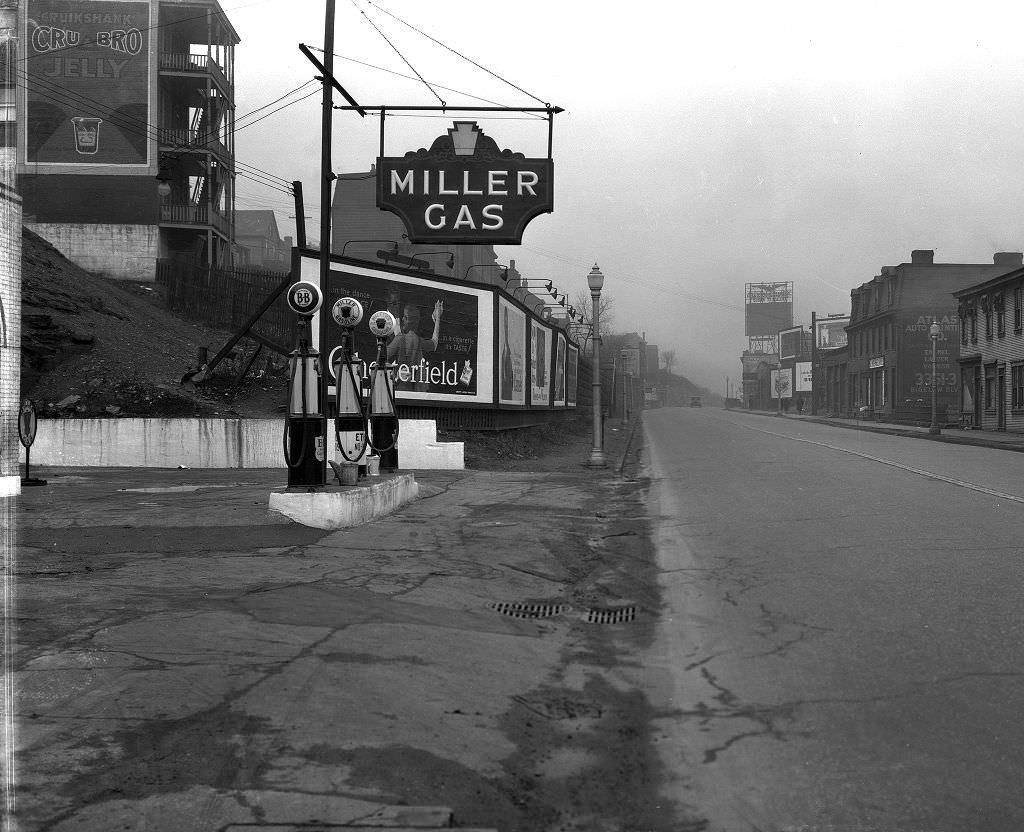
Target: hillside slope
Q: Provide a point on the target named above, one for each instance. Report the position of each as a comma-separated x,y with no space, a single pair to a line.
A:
97,347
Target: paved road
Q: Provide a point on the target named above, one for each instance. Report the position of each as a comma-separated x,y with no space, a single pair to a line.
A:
841,647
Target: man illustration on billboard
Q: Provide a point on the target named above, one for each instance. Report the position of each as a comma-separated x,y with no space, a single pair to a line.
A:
408,347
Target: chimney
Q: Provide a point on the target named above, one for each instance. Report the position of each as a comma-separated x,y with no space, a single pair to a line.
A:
922,256
1008,258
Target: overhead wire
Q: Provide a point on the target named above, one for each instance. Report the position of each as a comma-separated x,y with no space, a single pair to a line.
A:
459,54
397,52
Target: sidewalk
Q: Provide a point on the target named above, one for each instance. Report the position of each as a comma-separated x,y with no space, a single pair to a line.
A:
1002,440
186,659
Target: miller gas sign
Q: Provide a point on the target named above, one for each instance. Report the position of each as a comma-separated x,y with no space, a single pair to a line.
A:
465,190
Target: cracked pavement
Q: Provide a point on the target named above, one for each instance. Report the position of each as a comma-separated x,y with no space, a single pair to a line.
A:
185,659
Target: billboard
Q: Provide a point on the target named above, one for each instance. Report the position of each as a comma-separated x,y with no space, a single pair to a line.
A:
511,354
768,308
790,342
572,362
540,364
830,332
87,82
444,346
804,377
559,378
782,383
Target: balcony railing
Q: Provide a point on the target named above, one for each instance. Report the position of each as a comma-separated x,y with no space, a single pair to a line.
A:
186,62
184,214
187,139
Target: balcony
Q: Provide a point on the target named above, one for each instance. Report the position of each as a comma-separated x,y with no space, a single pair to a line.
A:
199,64
187,139
193,215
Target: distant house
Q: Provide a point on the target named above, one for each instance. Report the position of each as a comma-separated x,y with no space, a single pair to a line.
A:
259,243
889,371
992,353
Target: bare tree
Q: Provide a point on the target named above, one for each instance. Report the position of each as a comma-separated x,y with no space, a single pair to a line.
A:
584,305
668,358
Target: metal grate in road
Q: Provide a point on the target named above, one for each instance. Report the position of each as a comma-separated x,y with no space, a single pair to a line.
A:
519,610
616,615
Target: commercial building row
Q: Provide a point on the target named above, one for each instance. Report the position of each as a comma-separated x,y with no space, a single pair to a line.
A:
916,332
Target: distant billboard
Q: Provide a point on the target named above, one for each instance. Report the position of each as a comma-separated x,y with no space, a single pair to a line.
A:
790,342
87,72
540,363
782,383
804,377
768,308
511,354
572,360
559,381
830,332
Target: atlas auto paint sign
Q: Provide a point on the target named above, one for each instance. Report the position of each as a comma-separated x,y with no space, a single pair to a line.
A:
87,89
464,189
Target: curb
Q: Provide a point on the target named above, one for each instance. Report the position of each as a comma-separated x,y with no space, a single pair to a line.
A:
949,438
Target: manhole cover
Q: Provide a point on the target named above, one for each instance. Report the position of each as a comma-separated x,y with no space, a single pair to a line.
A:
618,615
518,610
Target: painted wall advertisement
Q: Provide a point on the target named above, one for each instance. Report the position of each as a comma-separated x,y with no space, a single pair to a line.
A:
540,364
87,82
916,359
443,347
559,379
511,354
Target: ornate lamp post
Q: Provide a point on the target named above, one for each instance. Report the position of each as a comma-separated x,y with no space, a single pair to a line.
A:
595,280
933,333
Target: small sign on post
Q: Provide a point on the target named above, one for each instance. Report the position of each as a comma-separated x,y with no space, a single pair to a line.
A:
27,424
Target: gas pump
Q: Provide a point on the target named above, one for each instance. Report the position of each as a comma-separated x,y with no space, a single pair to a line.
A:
350,436
304,451
383,419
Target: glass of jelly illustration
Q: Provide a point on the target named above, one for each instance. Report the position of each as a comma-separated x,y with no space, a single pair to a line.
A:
87,133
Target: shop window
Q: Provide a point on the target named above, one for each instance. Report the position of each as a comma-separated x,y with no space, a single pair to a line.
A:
990,387
1017,382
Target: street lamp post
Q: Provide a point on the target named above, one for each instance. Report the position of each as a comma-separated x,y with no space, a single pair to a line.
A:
933,333
595,280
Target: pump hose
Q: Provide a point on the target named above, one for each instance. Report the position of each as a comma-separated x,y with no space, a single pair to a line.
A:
362,413
287,422
394,410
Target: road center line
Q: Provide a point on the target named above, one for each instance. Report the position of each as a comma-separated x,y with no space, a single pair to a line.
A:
920,471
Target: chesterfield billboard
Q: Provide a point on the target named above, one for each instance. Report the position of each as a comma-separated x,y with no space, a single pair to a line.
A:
465,190
87,82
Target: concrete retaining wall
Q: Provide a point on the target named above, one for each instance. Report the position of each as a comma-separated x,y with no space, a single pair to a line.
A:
124,252
207,443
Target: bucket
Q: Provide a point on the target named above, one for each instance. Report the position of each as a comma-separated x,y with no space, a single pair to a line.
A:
349,474
373,466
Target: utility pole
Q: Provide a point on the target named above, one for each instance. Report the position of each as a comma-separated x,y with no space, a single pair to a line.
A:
326,178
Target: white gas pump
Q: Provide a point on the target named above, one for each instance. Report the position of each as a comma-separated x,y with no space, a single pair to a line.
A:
350,434
383,416
304,451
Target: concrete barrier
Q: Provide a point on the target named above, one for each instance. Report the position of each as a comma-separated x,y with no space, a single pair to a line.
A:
207,443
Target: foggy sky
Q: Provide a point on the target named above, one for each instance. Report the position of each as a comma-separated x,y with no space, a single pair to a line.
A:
700,150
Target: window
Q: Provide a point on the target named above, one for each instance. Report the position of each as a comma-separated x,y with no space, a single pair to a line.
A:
986,305
990,387
1018,313
1017,380
964,317
1000,304
974,326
